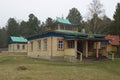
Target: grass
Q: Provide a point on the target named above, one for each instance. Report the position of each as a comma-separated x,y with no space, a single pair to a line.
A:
16,67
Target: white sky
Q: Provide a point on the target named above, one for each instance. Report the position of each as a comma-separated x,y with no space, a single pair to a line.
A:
20,9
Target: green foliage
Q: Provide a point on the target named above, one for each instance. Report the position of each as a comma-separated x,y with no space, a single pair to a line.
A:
3,38
117,13
30,27
115,26
24,29
12,27
43,27
49,23
74,16
117,54
33,25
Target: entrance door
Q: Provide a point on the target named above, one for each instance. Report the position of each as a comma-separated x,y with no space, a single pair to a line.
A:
79,48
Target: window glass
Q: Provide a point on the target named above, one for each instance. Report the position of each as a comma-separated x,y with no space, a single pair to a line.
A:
60,45
39,45
70,44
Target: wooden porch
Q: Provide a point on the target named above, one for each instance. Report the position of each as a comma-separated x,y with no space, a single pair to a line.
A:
87,49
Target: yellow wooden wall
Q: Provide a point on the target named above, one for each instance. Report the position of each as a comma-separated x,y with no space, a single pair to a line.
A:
97,43
13,47
45,54
52,50
111,48
55,50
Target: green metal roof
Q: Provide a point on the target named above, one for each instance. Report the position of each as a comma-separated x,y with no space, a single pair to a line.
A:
99,35
18,39
70,32
65,21
75,35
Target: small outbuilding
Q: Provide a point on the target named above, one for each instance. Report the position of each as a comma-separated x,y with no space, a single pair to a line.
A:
17,44
114,42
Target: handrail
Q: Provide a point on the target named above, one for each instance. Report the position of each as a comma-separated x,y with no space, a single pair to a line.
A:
80,55
79,52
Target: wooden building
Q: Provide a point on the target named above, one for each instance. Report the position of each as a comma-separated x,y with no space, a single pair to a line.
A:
64,42
17,45
114,42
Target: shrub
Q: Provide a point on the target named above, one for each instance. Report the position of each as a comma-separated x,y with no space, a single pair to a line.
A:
22,68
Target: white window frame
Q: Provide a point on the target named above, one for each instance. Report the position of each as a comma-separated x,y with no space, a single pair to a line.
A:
39,44
60,44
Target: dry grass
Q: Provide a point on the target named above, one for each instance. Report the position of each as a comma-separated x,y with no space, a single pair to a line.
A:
37,69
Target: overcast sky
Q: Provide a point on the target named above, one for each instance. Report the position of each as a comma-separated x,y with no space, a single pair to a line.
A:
20,9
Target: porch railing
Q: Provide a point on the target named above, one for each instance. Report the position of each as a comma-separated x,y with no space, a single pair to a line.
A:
80,55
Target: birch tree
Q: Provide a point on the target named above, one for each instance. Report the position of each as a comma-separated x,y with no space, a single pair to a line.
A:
96,11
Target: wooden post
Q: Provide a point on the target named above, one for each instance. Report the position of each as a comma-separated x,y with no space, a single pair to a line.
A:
97,54
86,49
112,56
81,57
107,50
51,47
76,48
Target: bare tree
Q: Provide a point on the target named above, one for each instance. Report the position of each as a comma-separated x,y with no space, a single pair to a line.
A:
95,12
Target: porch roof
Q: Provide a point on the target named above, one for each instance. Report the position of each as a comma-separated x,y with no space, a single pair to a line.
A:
70,35
80,35
84,38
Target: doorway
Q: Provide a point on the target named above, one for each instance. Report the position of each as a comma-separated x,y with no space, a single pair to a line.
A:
79,48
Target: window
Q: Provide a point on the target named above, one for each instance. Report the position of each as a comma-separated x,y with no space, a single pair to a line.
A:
23,47
39,45
90,46
60,45
45,44
62,27
70,44
31,46
18,46
103,44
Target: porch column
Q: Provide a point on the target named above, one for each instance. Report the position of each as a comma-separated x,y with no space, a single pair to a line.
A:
86,49
97,50
107,50
76,48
